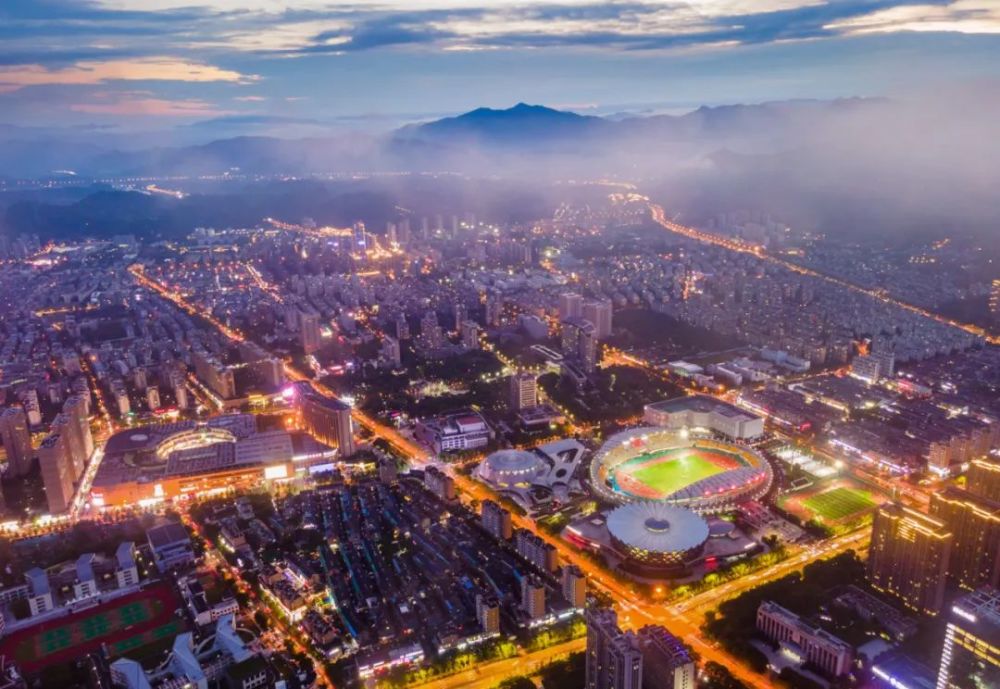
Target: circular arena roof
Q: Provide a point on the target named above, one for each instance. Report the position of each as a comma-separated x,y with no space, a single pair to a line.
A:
510,467
655,528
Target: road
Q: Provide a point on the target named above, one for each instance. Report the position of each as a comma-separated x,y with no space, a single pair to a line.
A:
488,675
660,218
683,619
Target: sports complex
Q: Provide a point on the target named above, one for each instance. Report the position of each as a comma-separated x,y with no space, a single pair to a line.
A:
683,469
124,626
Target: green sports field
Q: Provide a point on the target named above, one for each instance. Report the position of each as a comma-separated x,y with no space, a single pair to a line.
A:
674,471
839,503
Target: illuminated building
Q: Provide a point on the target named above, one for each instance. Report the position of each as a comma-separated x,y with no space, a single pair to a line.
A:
656,538
701,411
309,334
599,312
470,334
908,557
184,459
613,657
496,520
971,653
494,308
533,597
803,641
216,376
488,613
57,471
570,305
16,440
574,586
536,550
867,368
666,662
63,425
464,430
439,483
995,297
975,523
983,479
327,419
523,391
170,545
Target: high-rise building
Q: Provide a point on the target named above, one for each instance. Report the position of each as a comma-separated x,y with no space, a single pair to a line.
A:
574,586
536,550
64,426
152,398
599,312
614,657
430,330
16,440
908,557
496,520
975,523
309,333
440,483
488,613
470,334
995,298
666,662
215,375
57,472
523,391
78,408
570,305
402,327
390,351
494,308
983,479
970,656
533,597
359,238
327,419
461,313
588,348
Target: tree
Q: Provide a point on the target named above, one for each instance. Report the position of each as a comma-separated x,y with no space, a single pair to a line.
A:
517,683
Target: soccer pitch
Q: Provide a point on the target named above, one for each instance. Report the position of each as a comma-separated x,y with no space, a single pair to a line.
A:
839,503
673,471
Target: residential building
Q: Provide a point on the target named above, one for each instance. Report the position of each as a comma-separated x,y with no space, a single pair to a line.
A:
533,597
57,472
975,548
666,662
496,520
970,656
327,419
16,439
908,557
574,586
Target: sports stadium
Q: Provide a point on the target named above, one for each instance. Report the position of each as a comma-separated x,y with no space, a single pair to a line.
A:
683,469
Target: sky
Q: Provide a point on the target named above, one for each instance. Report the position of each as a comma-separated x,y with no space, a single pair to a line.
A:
372,63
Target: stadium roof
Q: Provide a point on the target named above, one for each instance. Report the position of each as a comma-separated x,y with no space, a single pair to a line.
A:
656,527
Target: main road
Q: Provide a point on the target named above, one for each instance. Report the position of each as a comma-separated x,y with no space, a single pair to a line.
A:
660,218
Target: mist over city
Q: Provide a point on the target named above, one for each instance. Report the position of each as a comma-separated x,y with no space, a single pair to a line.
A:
499,344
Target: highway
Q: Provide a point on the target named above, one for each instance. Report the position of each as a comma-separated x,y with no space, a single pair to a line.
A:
660,218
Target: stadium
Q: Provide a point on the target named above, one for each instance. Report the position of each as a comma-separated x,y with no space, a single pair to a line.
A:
656,538
678,468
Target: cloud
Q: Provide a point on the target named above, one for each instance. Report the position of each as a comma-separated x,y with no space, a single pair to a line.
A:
17,77
144,104
963,16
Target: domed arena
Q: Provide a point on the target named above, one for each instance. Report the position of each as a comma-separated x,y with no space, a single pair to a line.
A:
679,469
655,537
509,468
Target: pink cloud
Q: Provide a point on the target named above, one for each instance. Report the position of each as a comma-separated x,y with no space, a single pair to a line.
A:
17,77
133,105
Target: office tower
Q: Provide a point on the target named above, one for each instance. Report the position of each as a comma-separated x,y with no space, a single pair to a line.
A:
496,520
488,613
975,524
588,348
533,597
614,657
908,557
390,351
970,657
470,335
152,398
16,440
983,479
494,308
326,419
666,661
57,474
570,305
995,298
598,312
574,586
523,391
309,334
